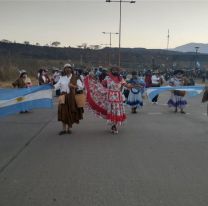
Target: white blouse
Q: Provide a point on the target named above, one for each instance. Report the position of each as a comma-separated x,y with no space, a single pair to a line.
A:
176,82
155,79
63,84
80,85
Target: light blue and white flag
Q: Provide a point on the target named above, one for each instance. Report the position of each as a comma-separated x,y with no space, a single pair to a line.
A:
16,100
191,90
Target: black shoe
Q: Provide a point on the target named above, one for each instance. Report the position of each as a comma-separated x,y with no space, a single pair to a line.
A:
113,129
62,132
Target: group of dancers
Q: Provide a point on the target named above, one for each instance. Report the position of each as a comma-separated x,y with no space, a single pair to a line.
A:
107,96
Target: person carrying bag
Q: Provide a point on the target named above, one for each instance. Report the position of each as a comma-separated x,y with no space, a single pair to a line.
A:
80,99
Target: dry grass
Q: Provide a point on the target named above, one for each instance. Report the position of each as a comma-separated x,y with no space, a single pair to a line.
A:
8,84
5,84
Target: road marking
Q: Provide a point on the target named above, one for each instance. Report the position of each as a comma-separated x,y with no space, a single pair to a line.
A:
160,113
163,104
154,113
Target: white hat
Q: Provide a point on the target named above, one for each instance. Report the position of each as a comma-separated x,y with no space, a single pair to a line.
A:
22,71
67,65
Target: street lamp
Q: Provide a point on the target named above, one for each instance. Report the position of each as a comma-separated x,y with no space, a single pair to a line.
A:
110,33
119,46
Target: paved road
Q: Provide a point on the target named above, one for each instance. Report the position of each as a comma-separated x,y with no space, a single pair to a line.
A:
158,159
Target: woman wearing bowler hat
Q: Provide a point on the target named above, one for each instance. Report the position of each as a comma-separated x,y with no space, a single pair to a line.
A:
68,112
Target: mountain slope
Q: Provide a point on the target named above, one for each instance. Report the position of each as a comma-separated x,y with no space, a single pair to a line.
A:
203,48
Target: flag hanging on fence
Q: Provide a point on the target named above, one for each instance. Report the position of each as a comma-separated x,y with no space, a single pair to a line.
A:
24,99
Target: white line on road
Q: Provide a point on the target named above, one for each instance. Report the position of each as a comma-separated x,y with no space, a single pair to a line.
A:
154,113
163,104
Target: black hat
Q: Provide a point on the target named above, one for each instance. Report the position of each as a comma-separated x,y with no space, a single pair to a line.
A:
22,72
178,71
134,73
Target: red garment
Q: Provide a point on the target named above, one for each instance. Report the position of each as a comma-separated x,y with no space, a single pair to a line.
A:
148,80
106,99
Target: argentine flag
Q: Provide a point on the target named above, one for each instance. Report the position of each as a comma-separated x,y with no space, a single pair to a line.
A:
191,90
16,100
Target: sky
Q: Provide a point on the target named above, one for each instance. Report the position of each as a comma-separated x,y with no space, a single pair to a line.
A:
73,22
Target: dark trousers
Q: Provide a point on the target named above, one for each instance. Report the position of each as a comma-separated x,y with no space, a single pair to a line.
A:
58,92
156,97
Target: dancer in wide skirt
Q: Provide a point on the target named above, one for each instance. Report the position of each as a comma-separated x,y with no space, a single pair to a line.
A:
106,98
177,99
135,98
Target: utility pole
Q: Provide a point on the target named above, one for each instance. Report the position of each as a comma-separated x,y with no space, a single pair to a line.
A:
110,44
196,56
119,45
168,39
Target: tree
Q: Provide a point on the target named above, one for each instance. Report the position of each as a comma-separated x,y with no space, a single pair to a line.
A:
26,42
55,43
5,41
95,47
84,45
37,44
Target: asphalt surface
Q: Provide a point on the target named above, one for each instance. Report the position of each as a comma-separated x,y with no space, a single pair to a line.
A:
159,158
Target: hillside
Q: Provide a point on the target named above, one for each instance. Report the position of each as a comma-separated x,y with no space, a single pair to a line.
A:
203,48
15,56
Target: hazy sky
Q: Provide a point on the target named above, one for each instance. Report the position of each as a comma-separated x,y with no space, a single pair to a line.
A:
73,22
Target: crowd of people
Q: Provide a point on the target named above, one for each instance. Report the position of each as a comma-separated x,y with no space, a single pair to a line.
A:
106,92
